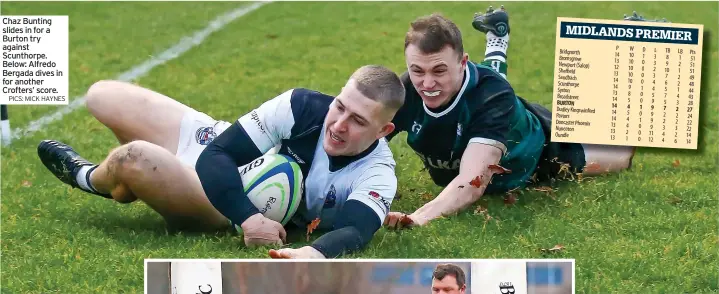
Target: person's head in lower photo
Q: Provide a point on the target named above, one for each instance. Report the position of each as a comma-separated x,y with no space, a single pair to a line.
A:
448,279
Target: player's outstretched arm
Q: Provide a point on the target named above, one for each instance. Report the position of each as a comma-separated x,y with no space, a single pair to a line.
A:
362,214
355,228
466,188
358,220
248,138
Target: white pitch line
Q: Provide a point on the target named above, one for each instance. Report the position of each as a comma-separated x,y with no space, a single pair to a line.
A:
137,71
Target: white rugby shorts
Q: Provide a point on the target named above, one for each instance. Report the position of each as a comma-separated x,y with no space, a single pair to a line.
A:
197,130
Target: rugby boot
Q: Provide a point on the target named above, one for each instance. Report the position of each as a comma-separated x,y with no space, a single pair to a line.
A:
495,21
636,17
63,162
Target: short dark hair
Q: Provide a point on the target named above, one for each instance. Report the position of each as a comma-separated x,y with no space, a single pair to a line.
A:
432,33
380,84
448,269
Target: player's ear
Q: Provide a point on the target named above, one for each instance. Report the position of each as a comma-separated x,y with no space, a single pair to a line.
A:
464,60
386,129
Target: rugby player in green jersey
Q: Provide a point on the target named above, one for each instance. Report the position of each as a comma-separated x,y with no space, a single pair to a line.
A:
472,132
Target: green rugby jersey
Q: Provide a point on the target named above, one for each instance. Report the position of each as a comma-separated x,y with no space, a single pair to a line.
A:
484,111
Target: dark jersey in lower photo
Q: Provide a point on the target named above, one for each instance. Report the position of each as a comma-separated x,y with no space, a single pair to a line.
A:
485,111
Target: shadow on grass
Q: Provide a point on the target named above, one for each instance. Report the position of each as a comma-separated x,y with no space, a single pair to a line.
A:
125,228
129,229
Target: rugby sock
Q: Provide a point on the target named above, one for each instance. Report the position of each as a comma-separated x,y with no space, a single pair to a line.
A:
495,54
83,180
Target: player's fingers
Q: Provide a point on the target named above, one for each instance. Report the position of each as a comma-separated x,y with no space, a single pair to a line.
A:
266,242
273,254
253,242
276,254
392,223
389,217
406,221
261,239
282,254
388,221
281,231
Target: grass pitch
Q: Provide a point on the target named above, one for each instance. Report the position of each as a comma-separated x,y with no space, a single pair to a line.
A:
651,229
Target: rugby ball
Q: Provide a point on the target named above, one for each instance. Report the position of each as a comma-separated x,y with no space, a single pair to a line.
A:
273,183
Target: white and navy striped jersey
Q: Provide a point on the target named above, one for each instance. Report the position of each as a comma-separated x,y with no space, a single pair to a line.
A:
294,121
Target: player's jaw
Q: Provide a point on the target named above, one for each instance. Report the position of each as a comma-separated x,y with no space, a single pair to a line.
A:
334,142
431,89
433,98
344,136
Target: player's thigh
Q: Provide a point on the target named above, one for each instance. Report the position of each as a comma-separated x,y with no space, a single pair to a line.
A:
136,113
602,159
171,188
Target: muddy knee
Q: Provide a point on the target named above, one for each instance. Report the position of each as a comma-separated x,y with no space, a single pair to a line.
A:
131,160
130,166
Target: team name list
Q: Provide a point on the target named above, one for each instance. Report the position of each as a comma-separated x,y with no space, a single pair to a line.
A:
568,88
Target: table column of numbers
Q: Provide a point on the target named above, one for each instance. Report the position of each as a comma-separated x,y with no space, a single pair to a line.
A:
615,95
641,132
652,76
630,81
690,97
672,103
663,93
678,115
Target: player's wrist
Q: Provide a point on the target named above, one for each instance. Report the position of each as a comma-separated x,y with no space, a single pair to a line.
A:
312,252
417,219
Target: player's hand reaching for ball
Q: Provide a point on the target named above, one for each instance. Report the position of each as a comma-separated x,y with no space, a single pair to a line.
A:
306,252
259,230
398,220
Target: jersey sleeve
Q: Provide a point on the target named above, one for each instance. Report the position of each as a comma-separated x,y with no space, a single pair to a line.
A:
371,196
292,113
269,123
376,188
490,122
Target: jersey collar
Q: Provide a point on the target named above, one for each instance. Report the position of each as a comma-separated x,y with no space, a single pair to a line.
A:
470,79
338,162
